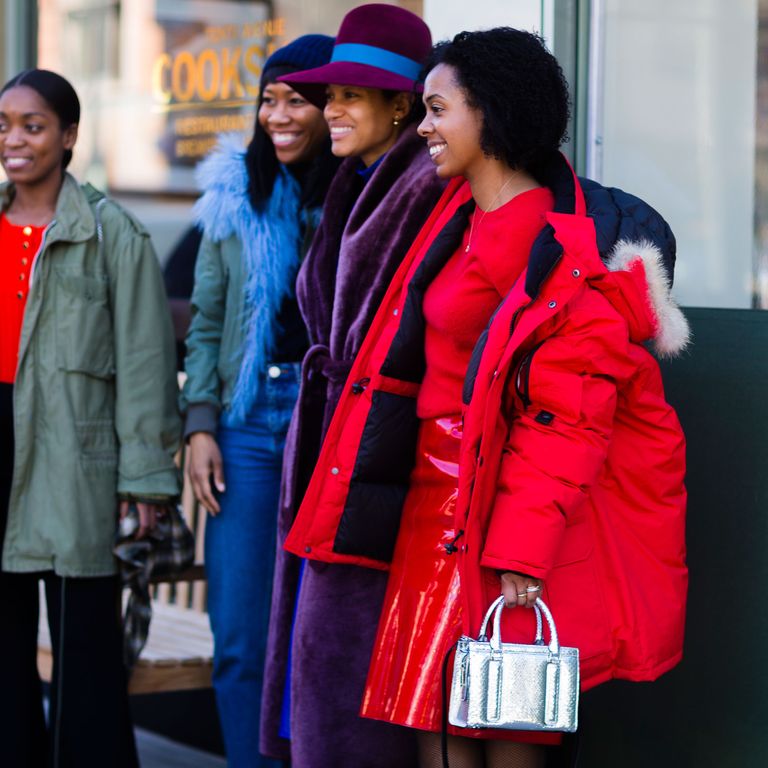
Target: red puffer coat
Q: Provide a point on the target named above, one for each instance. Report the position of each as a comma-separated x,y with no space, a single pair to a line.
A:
572,463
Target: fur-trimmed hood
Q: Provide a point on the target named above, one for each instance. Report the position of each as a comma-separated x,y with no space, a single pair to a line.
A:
635,274
638,287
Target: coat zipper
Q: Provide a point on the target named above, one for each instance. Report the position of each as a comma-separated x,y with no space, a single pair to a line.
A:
523,379
515,318
35,259
39,252
16,413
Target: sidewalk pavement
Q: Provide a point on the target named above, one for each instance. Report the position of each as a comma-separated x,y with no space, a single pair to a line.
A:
159,752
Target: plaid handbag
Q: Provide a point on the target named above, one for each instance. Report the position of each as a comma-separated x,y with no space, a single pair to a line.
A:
167,551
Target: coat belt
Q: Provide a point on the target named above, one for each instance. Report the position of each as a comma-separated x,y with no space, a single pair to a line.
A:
318,361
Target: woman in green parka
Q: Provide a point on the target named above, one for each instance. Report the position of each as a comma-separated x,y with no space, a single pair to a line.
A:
88,425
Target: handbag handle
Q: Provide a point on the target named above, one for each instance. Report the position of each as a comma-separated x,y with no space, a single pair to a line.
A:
538,640
495,609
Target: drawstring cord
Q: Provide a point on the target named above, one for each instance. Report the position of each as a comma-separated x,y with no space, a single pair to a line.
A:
451,547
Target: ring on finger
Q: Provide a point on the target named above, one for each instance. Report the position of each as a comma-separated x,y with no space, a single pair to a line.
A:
536,588
521,594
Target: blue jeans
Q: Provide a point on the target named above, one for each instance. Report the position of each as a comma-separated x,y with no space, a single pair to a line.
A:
239,560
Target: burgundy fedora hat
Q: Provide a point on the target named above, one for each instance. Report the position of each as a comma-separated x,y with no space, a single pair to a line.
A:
378,46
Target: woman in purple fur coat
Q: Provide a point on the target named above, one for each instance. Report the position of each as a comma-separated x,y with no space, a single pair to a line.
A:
324,617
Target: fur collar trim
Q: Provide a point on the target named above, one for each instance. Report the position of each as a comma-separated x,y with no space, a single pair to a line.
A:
270,240
223,179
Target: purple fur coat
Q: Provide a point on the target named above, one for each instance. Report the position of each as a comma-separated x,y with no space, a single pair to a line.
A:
365,233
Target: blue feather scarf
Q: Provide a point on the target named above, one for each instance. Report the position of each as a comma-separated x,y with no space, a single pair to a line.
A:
270,241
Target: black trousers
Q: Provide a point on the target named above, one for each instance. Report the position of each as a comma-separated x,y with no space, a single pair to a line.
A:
89,723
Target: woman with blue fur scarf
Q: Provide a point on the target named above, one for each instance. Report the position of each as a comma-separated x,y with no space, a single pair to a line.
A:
258,212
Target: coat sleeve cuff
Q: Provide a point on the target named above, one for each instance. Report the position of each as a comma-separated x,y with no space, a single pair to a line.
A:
150,489
201,417
501,565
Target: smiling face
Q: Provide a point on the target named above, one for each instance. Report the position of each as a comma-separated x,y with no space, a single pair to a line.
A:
295,126
361,121
451,127
32,140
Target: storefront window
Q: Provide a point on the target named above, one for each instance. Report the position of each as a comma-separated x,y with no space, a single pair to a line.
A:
160,79
678,128
95,48
678,109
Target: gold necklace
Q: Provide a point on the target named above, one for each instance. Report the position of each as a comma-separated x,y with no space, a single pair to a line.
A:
487,210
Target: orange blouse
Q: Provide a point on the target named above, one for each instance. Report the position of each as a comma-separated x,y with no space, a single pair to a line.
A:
18,248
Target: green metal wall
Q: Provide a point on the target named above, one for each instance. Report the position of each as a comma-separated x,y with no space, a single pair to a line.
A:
711,711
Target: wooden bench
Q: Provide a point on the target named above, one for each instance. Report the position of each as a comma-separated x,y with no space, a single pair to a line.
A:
179,650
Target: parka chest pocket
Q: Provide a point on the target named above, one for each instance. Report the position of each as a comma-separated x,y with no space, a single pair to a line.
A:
547,391
84,338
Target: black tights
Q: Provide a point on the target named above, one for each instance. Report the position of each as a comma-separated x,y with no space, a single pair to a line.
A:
89,722
479,753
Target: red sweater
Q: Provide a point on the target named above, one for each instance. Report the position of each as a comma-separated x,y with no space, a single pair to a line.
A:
19,246
461,299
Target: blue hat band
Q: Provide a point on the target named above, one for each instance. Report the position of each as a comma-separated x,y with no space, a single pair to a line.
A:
359,53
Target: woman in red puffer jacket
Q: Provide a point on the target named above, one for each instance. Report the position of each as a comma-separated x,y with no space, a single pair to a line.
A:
504,408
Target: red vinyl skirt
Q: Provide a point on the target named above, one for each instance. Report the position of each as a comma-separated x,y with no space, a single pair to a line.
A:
421,617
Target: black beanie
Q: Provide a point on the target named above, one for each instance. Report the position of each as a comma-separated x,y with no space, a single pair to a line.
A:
305,52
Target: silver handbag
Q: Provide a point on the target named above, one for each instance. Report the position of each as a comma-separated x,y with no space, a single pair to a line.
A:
515,686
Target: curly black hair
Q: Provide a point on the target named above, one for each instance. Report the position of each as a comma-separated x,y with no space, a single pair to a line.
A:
519,88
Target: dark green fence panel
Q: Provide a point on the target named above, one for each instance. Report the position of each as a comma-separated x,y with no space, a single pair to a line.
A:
712,711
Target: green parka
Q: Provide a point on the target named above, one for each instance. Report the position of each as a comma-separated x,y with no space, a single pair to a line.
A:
95,394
